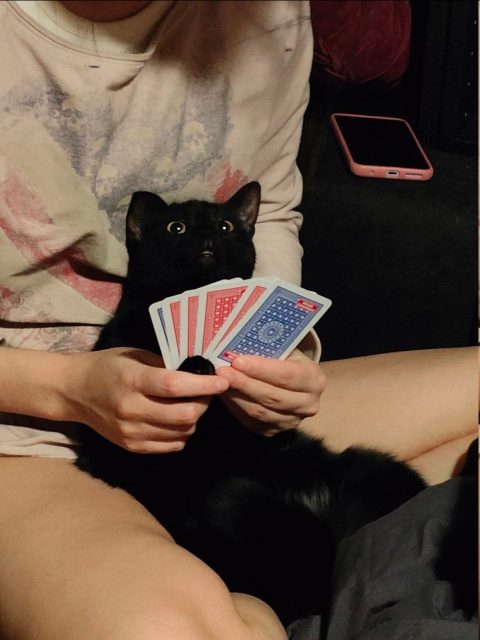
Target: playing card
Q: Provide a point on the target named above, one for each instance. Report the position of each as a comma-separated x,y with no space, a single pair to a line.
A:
171,316
158,321
274,325
175,323
190,301
262,316
188,324
216,302
256,288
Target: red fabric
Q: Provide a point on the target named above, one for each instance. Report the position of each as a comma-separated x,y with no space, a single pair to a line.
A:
359,42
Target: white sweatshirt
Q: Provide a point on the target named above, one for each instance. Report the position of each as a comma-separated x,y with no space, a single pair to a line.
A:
216,99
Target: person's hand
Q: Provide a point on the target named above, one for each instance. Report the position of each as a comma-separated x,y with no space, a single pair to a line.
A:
128,397
268,396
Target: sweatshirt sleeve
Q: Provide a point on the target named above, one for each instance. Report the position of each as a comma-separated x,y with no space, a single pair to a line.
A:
276,233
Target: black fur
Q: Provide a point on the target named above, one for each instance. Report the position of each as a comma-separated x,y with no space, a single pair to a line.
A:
265,513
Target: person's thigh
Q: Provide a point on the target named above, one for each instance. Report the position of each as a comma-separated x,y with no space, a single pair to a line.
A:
80,560
407,403
444,462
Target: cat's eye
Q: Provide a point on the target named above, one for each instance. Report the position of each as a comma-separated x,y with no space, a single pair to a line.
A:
225,225
177,227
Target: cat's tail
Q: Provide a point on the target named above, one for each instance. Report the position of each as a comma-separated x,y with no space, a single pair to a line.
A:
265,546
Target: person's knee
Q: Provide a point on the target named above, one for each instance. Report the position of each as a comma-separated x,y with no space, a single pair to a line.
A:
161,625
175,623
198,608
116,571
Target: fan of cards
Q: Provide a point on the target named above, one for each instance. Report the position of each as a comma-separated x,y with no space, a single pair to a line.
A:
260,316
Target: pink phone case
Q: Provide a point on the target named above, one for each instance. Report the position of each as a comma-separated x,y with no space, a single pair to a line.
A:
376,171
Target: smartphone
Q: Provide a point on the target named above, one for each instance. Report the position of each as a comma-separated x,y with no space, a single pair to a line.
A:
378,147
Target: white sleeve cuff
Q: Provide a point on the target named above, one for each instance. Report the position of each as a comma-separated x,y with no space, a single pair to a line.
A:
311,346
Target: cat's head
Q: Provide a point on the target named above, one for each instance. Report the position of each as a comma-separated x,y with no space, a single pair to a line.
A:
190,244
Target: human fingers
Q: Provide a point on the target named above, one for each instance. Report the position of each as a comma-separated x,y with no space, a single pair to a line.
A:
168,412
256,418
297,373
152,427
165,383
268,396
138,442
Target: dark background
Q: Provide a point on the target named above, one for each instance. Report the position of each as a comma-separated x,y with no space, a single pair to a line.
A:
399,259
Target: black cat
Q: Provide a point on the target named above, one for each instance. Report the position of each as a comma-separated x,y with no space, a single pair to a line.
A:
265,513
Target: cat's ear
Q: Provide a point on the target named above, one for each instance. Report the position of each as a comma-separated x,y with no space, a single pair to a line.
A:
142,204
247,203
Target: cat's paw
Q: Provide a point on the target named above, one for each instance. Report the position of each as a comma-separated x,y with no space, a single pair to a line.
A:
199,365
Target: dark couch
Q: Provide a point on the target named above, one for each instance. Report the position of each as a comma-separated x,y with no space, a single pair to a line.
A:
398,259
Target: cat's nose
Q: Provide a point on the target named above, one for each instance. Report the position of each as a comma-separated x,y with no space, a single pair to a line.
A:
208,254
207,249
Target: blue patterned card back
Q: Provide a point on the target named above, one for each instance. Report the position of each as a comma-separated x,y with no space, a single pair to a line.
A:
274,327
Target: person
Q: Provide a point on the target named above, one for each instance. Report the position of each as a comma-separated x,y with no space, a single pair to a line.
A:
186,99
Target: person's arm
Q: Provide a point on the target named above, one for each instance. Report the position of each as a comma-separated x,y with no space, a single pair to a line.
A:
272,395
31,382
125,394
276,232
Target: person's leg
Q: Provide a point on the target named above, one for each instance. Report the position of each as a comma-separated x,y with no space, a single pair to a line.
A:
409,404
80,560
445,461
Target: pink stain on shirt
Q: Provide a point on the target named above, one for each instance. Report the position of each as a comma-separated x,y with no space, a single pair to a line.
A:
231,183
54,248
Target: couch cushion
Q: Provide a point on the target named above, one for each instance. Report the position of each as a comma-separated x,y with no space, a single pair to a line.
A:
359,42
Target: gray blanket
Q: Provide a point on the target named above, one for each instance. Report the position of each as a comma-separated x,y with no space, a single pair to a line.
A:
409,575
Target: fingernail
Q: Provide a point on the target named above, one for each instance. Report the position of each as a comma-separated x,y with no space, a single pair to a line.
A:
241,363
